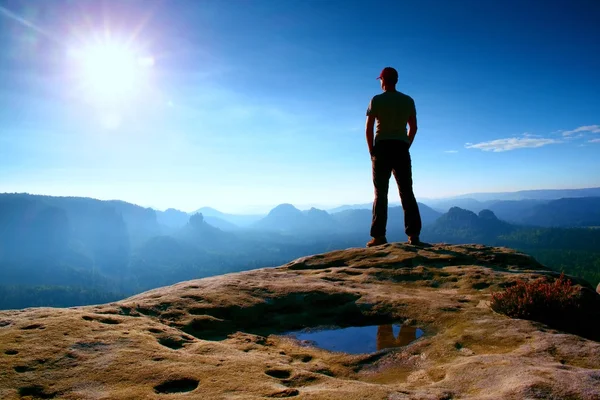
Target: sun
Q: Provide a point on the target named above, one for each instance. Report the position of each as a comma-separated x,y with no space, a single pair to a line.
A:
110,71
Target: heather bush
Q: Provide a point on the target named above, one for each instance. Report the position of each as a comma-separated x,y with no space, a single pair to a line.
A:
553,303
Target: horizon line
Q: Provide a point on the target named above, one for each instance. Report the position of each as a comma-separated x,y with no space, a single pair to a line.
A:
304,205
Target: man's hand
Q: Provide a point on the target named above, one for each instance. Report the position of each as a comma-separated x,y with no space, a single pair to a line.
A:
412,129
369,133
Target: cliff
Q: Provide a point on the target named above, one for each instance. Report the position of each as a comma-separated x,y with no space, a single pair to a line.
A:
222,337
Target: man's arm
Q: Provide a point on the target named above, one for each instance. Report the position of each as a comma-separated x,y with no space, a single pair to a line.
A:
369,131
412,129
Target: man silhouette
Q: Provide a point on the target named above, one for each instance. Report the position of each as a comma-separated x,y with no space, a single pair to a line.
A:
389,148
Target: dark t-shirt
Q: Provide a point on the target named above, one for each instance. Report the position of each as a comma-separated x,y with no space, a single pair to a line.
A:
391,110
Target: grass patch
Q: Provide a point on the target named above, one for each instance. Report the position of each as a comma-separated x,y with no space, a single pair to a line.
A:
554,302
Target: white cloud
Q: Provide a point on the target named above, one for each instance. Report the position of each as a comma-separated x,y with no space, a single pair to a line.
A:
531,135
451,151
588,128
508,144
595,141
574,136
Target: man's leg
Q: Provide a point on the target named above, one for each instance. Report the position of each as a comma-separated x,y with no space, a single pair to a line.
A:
382,171
385,337
407,334
403,173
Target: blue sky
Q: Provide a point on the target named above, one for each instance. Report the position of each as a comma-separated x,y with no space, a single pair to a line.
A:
247,104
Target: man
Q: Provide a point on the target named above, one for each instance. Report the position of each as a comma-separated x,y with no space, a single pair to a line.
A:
389,146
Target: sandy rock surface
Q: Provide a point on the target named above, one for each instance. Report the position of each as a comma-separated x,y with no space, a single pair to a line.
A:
220,338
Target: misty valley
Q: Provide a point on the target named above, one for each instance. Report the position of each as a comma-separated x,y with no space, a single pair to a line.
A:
66,251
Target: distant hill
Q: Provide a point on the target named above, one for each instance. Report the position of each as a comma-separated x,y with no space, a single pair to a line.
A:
568,212
346,207
543,194
72,232
464,226
573,250
287,218
172,218
140,222
201,234
319,219
472,201
360,219
208,212
565,212
459,226
510,210
465,203
175,219
77,250
515,211
222,224
238,220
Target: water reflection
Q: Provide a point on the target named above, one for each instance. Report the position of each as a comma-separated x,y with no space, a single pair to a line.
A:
386,338
359,339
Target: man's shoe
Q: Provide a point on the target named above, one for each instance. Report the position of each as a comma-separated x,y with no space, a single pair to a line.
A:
376,241
414,240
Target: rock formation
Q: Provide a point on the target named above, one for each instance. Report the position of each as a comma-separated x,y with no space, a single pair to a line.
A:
218,338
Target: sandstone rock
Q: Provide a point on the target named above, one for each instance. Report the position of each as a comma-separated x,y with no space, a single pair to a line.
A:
215,338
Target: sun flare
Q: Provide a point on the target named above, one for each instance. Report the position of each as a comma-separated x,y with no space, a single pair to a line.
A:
111,71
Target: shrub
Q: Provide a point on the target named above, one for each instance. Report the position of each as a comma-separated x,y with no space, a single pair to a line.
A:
552,303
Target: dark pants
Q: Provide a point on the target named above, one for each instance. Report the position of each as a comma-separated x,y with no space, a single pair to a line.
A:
393,156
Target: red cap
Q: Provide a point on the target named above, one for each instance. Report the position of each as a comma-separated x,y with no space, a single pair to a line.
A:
388,73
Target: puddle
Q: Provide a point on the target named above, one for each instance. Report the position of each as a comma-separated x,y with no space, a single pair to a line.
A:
358,339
